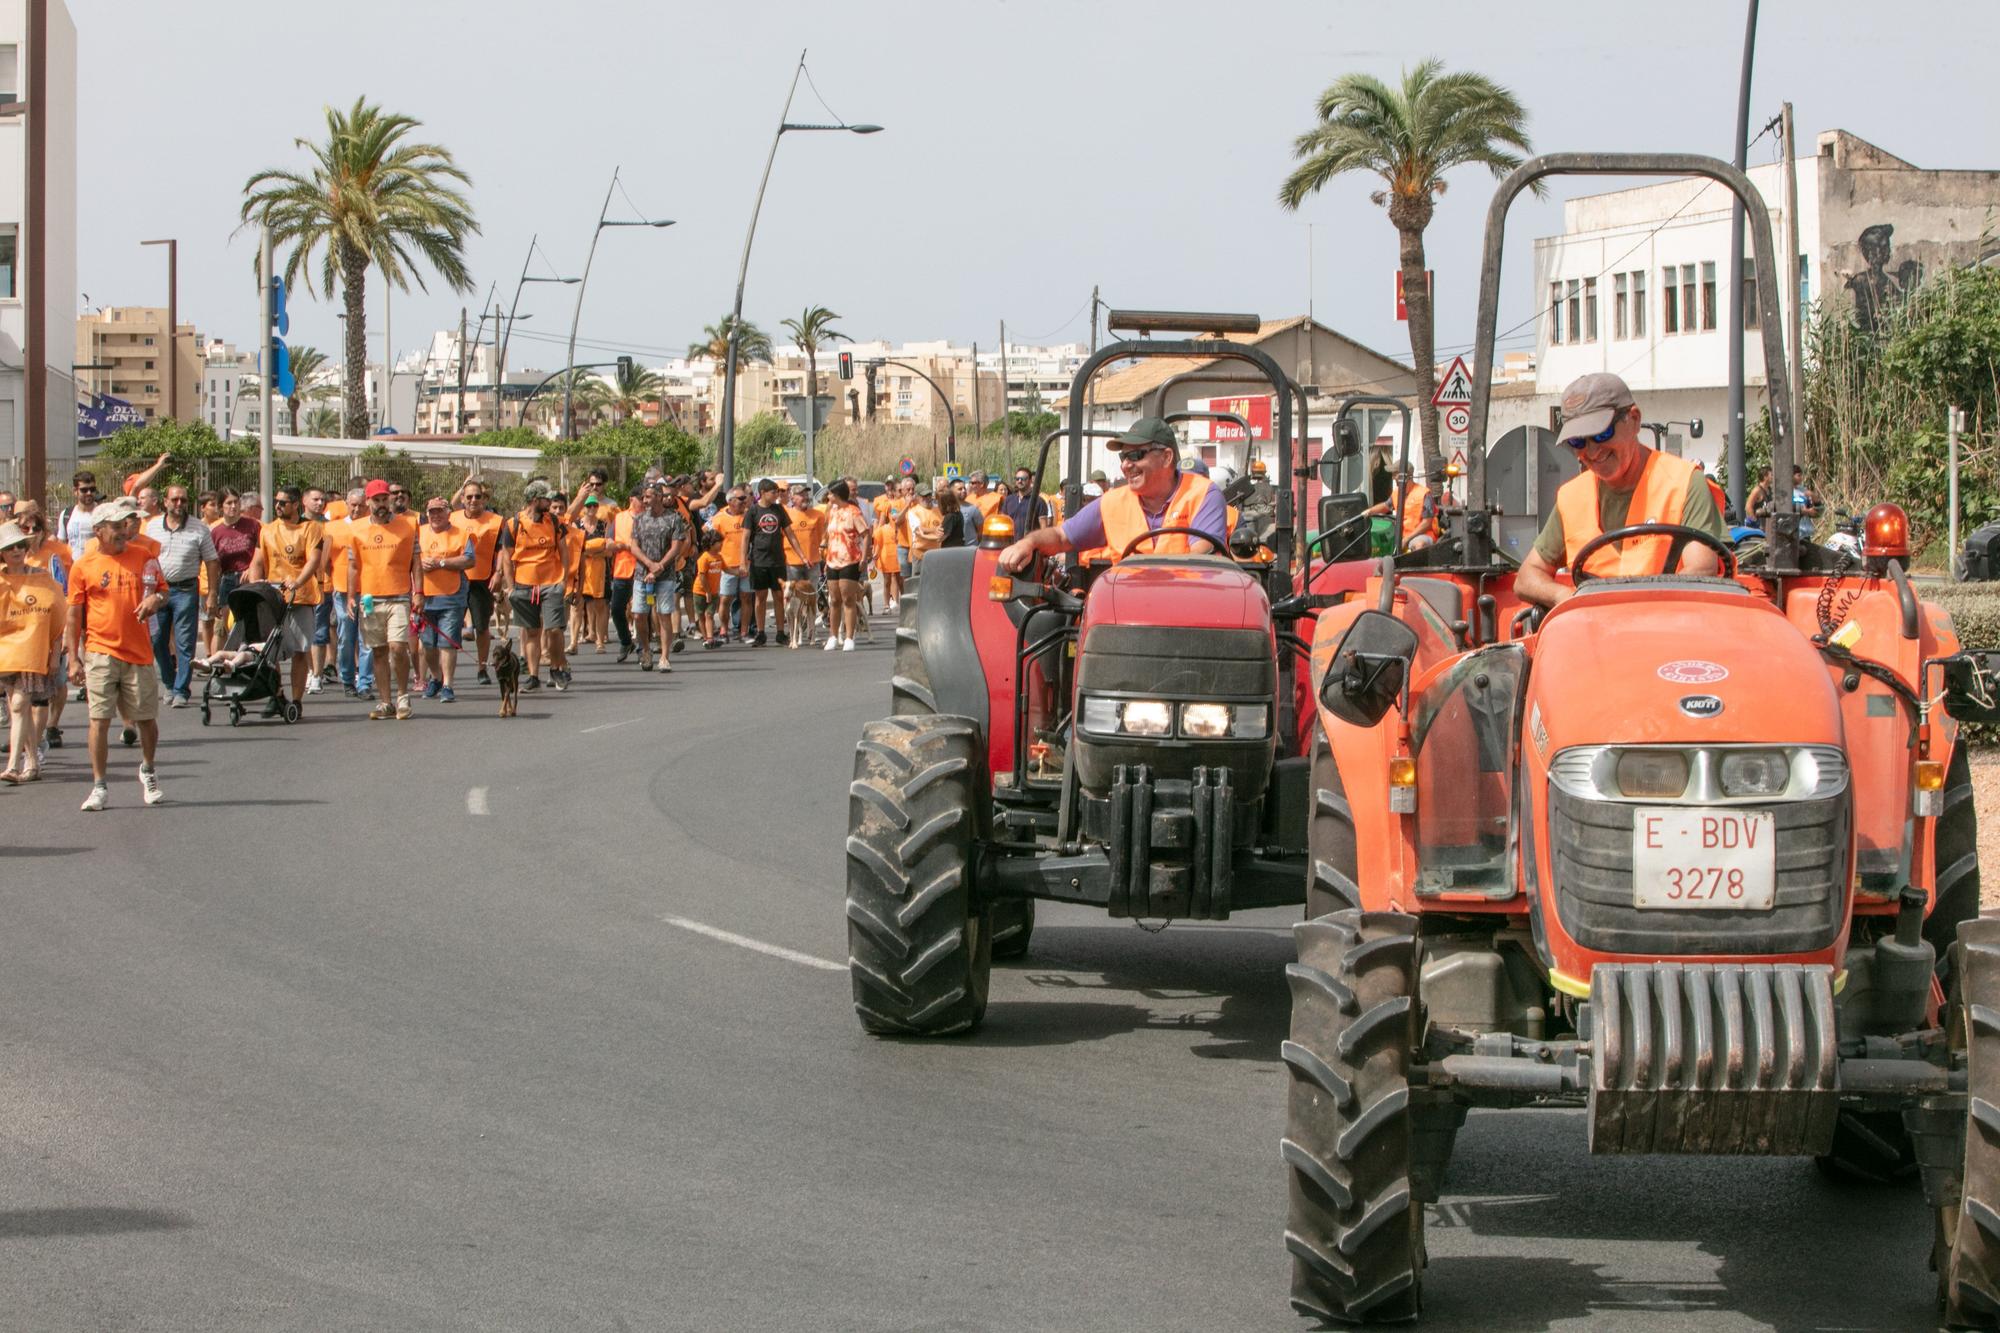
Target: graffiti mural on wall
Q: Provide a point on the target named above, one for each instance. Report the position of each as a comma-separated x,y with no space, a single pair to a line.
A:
1881,287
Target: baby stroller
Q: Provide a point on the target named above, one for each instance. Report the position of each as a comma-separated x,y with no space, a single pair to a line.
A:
257,615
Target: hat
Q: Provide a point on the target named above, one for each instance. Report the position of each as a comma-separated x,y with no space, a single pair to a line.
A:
1099,477
12,534
1591,402
589,500
439,502
1092,488
116,511
374,488
1147,430
1194,465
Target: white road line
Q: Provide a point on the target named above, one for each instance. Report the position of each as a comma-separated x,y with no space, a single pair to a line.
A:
475,802
755,946
606,726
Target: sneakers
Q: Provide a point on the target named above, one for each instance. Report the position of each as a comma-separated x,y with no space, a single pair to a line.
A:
832,642
273,707
431,690
313,682
529,684
758,640
99,794
128,736
784,639
445,696
711,643
381,713
563,675
80,696
403,707
847,645
624,656
54,739
559,681
149,783
645,661
680,644
177,701
351,692
664,666
485,677
892,604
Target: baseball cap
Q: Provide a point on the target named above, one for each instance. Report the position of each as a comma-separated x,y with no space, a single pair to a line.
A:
589,500
438,502
1147,430
1091,488
1099,477
12,534
375,488
1591,402
1194,465
117,511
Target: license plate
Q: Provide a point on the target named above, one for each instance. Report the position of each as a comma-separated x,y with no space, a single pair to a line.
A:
1704,859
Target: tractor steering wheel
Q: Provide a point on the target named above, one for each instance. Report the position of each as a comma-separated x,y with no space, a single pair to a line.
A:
1681,535
1221,547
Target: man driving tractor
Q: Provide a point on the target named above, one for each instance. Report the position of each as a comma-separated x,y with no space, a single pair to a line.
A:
1623,484
1419,518
1157,494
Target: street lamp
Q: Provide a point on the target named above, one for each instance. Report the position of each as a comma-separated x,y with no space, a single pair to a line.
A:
500,371
727,451
173,323
569,385
950,417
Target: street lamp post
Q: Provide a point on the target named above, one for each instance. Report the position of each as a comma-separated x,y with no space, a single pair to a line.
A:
500,371
727,451
950,417
569,385
173,323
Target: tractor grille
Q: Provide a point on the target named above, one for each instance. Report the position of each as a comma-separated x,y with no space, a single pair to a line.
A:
1591,842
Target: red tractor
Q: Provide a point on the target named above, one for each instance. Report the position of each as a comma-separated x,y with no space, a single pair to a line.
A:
1130,735
1694,853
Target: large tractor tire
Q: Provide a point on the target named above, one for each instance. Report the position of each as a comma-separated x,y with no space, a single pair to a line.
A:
1355,1228
1334,884
1013,926
919,945
1967,1251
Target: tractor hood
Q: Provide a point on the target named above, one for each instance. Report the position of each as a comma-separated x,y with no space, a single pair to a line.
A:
1642,664
1193,592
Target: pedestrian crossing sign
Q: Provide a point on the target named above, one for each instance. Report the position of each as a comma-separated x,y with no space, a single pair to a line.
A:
951,472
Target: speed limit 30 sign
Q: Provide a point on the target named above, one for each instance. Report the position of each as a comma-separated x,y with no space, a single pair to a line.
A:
1458,420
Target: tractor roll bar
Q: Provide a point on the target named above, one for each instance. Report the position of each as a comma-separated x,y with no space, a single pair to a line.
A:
1302,421
1042,455
1402,463
1782,532
1193,349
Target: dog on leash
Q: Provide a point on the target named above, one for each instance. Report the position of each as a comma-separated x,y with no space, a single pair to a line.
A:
507,675
799,618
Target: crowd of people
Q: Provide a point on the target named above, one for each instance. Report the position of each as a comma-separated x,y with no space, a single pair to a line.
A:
133,599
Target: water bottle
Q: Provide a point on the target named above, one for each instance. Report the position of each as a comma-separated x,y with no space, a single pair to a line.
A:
367,604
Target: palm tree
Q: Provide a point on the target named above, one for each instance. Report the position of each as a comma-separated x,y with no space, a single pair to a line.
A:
752,343
1410,137
812,331
306,363
588,394
629,389
370,198
323,422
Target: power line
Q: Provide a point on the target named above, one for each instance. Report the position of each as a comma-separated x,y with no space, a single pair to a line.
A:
1037,337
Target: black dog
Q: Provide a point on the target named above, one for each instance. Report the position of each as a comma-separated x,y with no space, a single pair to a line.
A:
507,673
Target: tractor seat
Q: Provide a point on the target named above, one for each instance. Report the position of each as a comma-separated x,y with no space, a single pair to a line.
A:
1674,582
1445,597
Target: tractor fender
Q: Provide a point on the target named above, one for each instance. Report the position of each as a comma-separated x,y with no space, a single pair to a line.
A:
1383,851
967,644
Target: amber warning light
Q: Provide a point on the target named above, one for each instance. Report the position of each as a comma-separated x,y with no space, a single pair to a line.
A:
1886,532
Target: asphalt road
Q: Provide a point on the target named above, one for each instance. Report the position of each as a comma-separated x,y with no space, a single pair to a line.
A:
416,1026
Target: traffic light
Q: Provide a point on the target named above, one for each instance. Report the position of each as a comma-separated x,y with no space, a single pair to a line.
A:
277,358
624,367
847,365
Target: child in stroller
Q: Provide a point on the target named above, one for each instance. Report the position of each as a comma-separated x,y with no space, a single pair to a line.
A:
245,669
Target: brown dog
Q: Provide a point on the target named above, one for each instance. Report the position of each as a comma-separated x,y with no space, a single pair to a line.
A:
507,674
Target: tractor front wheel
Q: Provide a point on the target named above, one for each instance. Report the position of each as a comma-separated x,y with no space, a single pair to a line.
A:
919,943
1335,883
1968,1231
1013,926
1355,1228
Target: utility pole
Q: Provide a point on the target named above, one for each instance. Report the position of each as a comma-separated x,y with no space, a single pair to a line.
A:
388,361
1796,323
1954,418
173,372
871,393
978,420
1735,305
1090,394
35,348
1006,413
267,361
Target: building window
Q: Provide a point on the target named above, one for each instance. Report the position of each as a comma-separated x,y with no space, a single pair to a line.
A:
1590,310
10,74
1619,305
1670,317
1708,295
1805,286
1638,303
1687,298
149,365
1750,320
1575,311
1555,312
8,236
149,342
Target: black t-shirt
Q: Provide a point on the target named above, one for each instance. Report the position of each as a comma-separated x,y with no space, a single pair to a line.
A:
767,524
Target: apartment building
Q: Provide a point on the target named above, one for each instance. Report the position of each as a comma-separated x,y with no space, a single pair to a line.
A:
37,239
126,352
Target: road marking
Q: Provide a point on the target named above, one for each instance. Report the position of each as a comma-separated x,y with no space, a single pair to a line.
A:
606,726
475,802
755,946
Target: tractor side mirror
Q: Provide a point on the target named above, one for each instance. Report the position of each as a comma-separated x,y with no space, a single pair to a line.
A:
1972,686
1346,437
1694,429
1369,669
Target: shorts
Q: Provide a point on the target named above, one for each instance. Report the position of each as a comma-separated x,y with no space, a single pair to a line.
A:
443,627
323,621
479,603
116,686
703,603
36,687
765,578
646,595
546,614
799,573
732,584
298,628
388,623
843,573
687,577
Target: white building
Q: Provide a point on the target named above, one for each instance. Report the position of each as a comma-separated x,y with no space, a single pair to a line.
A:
55,104
1638,281
224,373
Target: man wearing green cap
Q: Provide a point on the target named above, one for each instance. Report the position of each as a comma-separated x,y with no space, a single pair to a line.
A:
1157,494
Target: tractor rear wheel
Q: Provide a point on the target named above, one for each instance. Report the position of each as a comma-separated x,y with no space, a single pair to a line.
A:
1335,883
1355,1229
919,943
909,678
1968,1233
1956,861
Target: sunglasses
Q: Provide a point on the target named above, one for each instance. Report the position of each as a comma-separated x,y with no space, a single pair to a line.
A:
1135,455
1577,442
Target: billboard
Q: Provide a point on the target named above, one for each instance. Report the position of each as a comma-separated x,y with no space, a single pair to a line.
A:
1253,408
104,416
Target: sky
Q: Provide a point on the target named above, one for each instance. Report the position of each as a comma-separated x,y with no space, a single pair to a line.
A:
1031,150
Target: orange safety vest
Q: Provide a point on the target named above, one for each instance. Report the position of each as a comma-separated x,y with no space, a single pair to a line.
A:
1659,498
1415,522
1125,520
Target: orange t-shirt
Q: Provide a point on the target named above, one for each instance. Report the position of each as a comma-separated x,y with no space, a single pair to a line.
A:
387,552
708,574
336,509
447,545
809,531
286,549
109,588
485,534
538,557
734,529
623,562
29,605
885,549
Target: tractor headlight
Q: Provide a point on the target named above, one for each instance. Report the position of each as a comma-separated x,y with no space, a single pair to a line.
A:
1654,773
1754,772
1243,722
1157,718
1129,717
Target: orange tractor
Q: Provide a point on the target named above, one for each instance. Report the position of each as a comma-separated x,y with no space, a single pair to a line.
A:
1694,853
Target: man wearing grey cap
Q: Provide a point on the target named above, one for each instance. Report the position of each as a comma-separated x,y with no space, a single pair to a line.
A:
1623,484
1158,494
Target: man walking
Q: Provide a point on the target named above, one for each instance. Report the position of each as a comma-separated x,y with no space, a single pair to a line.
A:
290,553
110,653
384,585
768,525
624,566
477,521
531,575
445,552
659,537
808,532
186,548
1027,509
313,506
732,526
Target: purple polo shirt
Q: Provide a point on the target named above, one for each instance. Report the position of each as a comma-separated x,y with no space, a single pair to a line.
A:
1085,530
